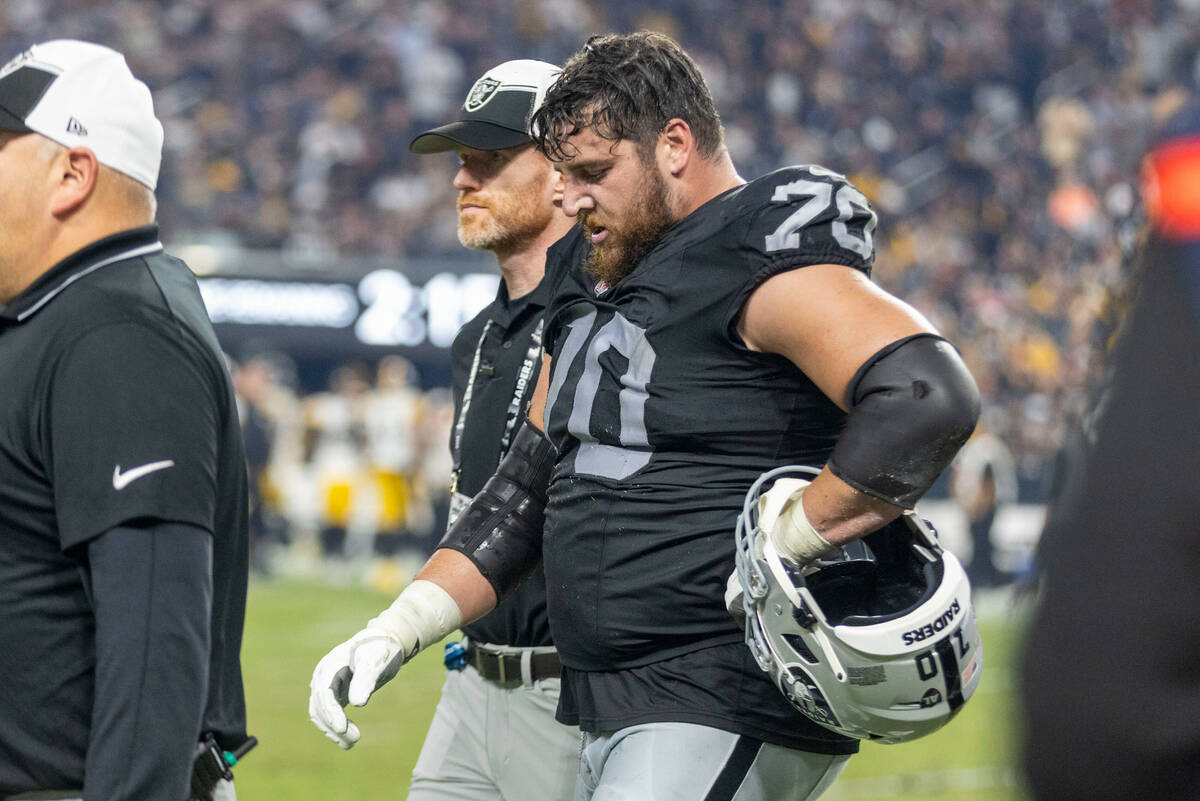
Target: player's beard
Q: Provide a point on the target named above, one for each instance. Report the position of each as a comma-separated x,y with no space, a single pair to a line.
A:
510,221
646,220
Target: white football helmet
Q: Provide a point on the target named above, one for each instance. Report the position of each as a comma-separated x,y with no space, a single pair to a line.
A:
878,642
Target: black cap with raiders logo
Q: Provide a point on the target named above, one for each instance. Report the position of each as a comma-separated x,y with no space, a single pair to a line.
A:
496,113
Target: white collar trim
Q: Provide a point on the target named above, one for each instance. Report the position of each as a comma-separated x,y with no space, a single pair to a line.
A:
144,250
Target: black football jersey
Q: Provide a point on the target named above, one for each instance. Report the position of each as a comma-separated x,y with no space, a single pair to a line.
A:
663,418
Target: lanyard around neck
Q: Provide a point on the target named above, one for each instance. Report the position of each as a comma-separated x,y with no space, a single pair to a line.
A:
515,407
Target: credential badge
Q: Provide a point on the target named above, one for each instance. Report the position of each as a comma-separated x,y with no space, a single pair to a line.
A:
483,91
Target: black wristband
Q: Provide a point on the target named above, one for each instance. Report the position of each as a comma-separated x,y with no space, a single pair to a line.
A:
912,406
501,529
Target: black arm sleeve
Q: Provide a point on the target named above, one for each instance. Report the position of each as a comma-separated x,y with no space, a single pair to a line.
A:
151,591
501,530
912,406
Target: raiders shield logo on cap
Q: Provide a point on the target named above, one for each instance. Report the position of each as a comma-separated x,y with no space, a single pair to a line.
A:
483,91
495,113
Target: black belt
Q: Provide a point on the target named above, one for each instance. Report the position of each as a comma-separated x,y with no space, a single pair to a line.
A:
505,668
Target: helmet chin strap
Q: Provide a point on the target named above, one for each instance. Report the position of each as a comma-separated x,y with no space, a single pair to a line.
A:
775,565
839,672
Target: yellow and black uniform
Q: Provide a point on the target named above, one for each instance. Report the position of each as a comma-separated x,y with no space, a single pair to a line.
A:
123,533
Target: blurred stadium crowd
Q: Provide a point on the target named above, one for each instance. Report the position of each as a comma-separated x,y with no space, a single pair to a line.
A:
998,139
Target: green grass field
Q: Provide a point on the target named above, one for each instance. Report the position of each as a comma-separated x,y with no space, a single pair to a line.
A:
291,624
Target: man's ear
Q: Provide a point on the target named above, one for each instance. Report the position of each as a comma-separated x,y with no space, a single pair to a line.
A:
676,146
559,187
75,173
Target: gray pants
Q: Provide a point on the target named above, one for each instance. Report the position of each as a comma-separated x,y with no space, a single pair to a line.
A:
688,762
488,743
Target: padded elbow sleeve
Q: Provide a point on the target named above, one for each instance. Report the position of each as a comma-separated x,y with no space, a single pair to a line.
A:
912,406
501,529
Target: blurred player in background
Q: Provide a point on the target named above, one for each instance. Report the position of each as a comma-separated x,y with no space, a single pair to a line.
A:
494,734
123,497
391,412
335,444
725,328
983,481
437,463
1112,661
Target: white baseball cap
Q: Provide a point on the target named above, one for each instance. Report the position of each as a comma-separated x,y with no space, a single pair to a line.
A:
82,94
496,113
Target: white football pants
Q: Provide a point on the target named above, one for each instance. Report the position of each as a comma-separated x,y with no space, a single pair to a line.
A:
487,743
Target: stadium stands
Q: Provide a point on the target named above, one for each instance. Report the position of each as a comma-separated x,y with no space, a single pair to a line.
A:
997,138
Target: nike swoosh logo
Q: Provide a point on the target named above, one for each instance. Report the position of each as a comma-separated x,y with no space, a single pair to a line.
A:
123,480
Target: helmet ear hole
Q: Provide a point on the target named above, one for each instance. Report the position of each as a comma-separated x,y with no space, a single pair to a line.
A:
800,648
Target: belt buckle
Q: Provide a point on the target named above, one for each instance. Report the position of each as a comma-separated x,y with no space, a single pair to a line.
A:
503,677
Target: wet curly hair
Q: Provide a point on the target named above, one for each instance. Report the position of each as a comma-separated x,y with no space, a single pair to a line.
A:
627,86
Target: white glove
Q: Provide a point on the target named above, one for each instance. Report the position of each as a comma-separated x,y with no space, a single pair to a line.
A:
423,614
224,791
733,599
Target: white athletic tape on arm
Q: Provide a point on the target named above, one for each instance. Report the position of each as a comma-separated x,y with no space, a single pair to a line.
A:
423,614
781,515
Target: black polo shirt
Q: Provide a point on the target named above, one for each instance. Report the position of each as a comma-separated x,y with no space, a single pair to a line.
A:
115,407
498,355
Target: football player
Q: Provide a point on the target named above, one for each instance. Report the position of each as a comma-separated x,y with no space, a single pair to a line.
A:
726,328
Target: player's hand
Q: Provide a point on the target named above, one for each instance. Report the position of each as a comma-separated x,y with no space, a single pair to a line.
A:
422,614
733,599
349,674
782,521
